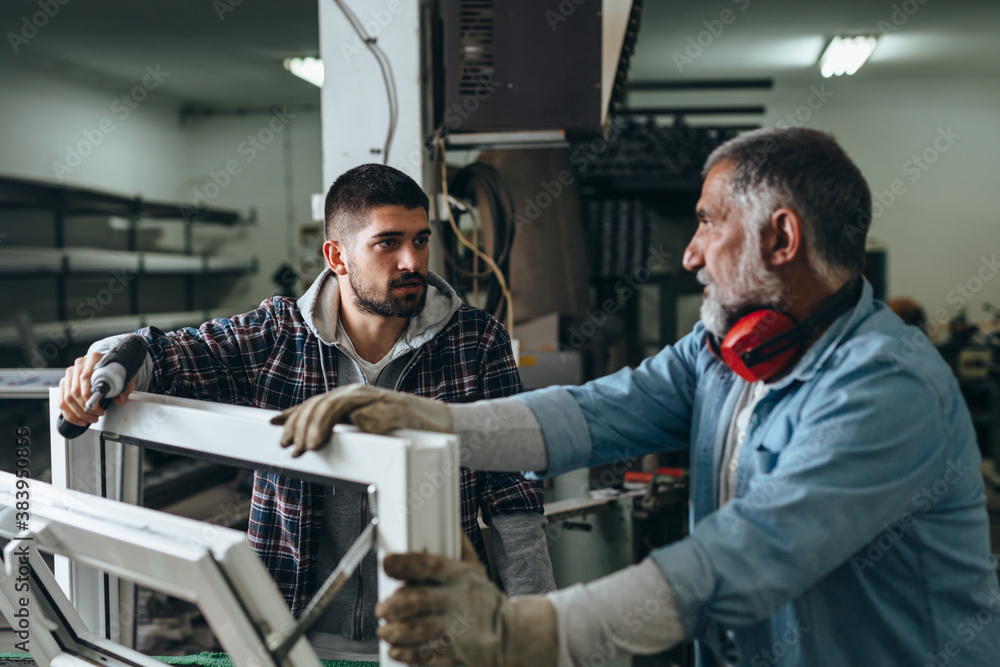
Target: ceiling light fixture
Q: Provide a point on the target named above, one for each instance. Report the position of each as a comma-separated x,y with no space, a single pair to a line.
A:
310,69
846,55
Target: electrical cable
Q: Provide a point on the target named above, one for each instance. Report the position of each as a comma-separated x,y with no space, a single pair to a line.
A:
483,183
469,183
475,258
481,176
384,65
501,202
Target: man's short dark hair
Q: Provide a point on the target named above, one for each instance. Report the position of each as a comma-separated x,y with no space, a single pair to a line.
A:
808,172
357,191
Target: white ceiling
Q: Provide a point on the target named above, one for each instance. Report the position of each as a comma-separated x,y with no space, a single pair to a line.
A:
767,38
232,59
214,58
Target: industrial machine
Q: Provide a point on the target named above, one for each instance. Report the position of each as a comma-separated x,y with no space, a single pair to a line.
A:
492,56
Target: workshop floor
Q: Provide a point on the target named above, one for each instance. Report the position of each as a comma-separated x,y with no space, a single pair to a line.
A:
168,626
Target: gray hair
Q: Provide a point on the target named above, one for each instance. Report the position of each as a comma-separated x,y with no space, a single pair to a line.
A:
808,172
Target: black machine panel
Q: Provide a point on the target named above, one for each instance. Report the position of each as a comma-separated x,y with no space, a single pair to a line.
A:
522,65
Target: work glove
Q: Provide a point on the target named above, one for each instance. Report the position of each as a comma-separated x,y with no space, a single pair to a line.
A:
450,613
308,425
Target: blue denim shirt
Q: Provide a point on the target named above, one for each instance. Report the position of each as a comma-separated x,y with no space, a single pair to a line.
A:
858,534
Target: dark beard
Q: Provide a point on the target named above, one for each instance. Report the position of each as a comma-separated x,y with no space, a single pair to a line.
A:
389,306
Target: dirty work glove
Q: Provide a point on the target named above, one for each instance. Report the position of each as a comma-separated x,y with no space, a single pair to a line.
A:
450,613
374,410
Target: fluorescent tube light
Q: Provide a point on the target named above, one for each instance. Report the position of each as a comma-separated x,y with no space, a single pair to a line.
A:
846,55
310,69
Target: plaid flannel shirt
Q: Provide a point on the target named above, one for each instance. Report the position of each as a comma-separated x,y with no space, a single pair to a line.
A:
268,358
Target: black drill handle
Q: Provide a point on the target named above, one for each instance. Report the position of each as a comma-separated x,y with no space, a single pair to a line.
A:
130,352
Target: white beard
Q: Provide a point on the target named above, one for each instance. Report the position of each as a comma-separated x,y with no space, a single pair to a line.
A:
728,300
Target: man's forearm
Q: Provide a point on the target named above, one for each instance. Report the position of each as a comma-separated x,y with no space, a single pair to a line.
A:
501,434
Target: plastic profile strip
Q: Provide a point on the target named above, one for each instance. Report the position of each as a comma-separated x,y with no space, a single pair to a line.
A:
209,566
415,474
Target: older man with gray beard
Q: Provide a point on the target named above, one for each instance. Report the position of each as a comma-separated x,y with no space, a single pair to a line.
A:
837,512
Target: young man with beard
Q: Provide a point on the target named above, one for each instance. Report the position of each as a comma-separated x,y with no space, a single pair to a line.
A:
375,317
837,511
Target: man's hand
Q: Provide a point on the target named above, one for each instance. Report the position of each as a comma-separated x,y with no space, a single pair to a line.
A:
75,387
449,613
374,410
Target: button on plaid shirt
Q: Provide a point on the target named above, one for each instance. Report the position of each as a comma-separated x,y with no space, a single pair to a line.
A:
269,358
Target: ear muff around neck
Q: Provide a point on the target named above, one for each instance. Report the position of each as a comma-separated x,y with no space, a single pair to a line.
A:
764,343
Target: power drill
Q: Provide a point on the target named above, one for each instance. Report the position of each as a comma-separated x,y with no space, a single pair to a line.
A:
111,376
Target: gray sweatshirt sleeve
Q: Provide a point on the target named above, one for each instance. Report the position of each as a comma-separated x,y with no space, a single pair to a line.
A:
630,612
143,377
501,434
521,553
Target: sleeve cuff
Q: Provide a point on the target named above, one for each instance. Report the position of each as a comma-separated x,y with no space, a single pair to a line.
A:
521,553
143,376
692,580
564,427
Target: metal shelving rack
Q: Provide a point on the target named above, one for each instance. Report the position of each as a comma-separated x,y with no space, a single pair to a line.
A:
63,263
77,331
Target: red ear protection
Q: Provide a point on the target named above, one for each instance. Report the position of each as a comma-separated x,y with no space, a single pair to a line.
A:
765,343
758,327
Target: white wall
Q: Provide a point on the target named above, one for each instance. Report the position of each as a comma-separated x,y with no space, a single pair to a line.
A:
259,169
47,116
354,126
148,152
946,220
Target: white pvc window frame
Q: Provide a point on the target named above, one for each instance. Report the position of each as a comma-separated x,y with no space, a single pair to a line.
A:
415,474
214,569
